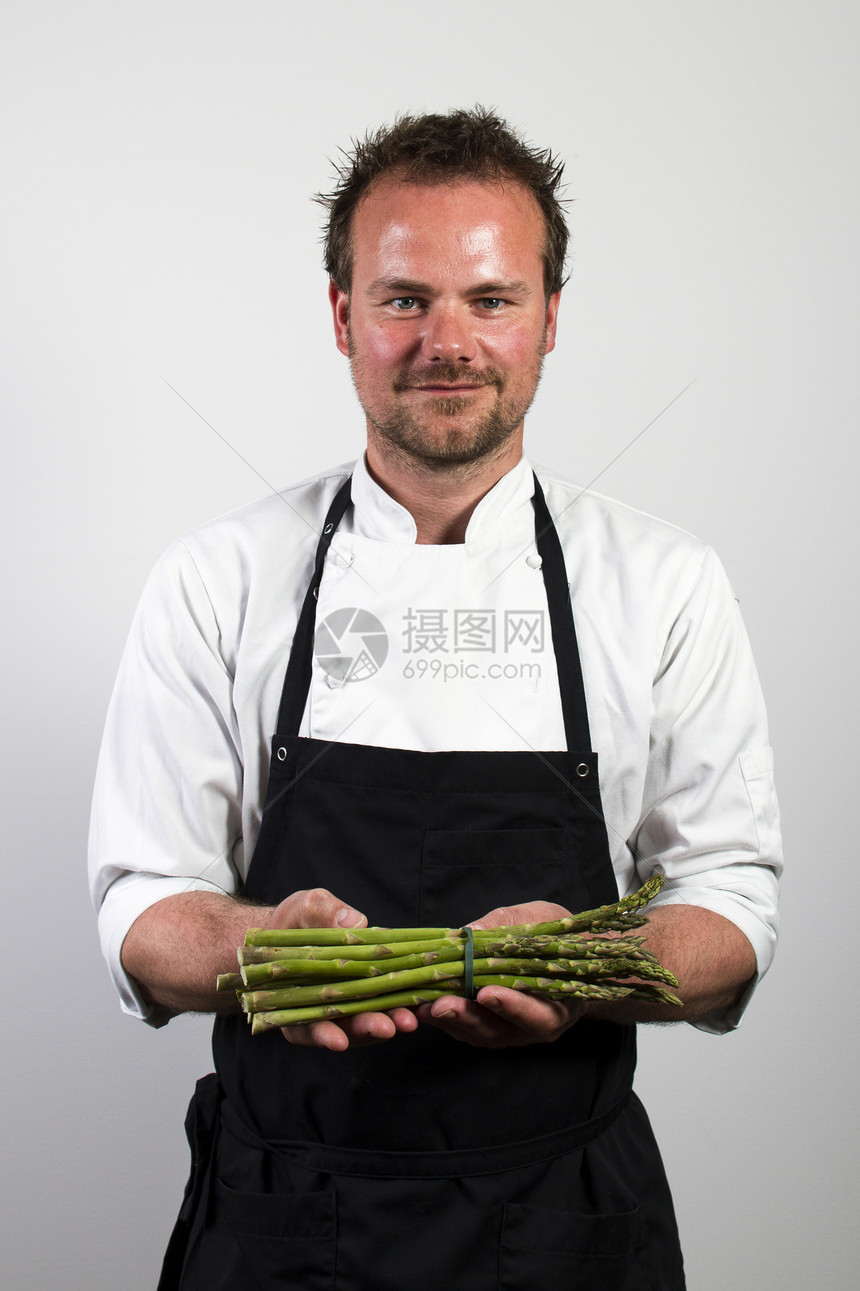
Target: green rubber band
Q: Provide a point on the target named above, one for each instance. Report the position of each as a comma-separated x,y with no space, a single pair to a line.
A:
469,965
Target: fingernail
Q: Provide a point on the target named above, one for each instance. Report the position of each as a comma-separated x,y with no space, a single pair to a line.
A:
492,1003
347,918
445,1015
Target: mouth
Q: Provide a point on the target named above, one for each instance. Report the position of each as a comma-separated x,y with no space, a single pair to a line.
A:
449,389
447,382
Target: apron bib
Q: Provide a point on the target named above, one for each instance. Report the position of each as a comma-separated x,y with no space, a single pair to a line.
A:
422,1161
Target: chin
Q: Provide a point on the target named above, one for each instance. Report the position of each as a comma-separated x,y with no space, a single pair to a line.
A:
445,445
453,448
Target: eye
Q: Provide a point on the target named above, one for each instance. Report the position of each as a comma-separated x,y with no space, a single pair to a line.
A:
404,302
491,302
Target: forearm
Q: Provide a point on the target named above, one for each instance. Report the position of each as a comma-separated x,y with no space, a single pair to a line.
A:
177,947
709,955
711,958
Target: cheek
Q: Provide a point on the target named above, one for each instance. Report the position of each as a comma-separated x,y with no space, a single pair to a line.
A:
519,351
378,351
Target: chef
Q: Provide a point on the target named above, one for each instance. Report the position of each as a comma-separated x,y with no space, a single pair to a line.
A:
437,686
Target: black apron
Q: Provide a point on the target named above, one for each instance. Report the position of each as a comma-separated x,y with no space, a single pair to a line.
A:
423,1162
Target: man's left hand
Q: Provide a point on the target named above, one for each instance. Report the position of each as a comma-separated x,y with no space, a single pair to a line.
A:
500,1017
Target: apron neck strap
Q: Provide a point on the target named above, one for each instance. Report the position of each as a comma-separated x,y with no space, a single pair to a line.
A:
570,683
297,682
299,670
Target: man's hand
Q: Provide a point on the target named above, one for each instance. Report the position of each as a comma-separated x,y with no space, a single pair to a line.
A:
177,947
712,959
500,1017
318,908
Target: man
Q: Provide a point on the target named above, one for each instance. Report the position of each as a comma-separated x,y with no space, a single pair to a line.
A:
474,1143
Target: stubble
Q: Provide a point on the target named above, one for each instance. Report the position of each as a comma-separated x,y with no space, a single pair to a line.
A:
448,434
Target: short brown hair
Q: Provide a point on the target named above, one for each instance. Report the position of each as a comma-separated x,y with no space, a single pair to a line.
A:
468,143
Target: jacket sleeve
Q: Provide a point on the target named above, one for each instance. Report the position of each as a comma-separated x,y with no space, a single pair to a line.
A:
710,819
168,787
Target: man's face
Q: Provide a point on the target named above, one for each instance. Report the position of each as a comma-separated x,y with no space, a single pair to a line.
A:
446,323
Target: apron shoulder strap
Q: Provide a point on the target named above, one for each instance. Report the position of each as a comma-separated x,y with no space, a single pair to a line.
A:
298,677
564,641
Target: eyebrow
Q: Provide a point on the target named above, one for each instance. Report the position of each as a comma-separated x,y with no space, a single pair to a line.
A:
411,287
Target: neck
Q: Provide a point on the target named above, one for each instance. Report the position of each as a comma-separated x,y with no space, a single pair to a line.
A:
439,497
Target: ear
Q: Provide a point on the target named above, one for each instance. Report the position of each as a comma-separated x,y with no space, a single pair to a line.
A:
551,321
339,301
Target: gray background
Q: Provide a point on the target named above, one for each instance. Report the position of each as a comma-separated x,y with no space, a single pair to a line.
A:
157,161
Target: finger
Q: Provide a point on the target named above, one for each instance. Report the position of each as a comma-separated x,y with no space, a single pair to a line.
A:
337,1038
404,1020
316,908
514,915
317,1035
469,1022
369,1028
501,1018
379,1026
541,1019
364,1029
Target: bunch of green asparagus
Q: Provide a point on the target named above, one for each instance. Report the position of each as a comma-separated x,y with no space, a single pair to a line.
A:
296,975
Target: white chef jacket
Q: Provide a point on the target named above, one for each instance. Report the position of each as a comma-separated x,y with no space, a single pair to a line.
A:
429,648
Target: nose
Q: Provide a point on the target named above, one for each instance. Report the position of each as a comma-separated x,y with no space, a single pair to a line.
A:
448,337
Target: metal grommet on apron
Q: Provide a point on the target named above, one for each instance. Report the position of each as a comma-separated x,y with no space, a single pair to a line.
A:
423,1161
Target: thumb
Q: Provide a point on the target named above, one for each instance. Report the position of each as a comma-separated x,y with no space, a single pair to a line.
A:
316,908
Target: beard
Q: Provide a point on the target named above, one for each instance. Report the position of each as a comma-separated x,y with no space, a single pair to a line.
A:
447,432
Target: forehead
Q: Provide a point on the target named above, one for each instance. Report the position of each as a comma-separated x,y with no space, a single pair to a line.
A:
467,223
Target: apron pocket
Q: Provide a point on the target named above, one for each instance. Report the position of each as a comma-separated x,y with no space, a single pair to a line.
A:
281,1236
579,1252
464,873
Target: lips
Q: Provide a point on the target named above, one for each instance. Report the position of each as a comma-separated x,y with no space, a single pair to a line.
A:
461,384
446,389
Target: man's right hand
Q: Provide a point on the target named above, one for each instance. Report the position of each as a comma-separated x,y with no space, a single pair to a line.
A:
319,908
178,946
